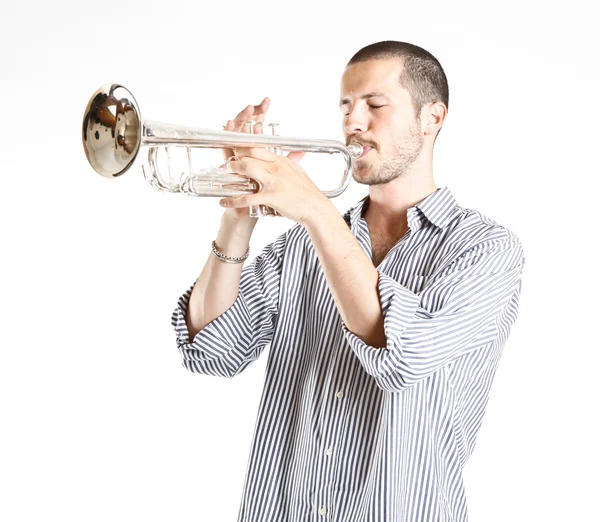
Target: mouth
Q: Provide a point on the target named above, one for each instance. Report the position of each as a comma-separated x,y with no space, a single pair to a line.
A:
366,148
365,151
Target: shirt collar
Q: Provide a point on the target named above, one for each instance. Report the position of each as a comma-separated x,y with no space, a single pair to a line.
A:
438,208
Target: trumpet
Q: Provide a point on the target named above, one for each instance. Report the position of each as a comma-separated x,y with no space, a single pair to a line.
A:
113,133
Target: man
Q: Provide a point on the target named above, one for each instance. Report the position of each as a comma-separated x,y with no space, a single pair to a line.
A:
386,324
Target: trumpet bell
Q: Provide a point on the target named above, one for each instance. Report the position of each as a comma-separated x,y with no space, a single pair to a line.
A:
112,130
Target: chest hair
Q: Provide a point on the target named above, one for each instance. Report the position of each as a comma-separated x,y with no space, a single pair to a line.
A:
381,244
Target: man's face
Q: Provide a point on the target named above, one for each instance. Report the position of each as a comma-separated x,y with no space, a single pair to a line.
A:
378,113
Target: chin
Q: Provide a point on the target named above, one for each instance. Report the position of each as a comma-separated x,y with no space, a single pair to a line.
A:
363,175
364,167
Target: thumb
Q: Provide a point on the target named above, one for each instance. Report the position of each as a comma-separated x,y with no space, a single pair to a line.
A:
296,156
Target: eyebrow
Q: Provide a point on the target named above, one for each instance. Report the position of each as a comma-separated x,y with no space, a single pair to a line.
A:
344,101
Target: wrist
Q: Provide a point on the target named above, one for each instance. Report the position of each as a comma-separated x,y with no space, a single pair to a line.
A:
238,225
233,237
229,259
322,214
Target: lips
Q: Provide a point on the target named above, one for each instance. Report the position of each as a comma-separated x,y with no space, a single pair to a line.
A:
365,151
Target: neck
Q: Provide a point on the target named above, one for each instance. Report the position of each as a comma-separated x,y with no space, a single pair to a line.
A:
388,204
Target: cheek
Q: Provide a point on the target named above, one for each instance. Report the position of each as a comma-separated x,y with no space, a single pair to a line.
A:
386,141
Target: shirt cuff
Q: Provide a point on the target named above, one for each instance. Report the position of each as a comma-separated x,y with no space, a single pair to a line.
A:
219,337
398,305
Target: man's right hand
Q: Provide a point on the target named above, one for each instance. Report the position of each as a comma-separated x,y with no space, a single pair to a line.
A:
238,124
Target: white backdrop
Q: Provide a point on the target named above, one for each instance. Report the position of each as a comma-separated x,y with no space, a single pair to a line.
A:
99,419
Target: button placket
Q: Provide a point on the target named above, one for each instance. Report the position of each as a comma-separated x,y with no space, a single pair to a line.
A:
345,390
340,388
324,494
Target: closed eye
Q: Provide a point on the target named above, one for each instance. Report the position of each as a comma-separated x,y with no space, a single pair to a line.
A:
372,107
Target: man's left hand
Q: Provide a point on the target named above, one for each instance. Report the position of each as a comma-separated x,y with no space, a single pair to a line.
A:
285,186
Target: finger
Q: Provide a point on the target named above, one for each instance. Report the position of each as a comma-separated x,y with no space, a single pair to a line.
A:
242,117
227,153
246,200
296,156
260,153
259,115
231,126
251,168
263,107
238,124
252,112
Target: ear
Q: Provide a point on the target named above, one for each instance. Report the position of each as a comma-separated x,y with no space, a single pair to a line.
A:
433,116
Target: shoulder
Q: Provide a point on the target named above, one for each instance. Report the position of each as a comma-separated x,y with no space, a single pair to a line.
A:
473,236
480,229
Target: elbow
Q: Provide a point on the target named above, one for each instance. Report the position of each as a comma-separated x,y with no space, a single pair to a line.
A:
214,360
375,338
190,365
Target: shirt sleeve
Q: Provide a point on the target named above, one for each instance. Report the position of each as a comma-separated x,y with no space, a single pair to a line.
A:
232,341
471,306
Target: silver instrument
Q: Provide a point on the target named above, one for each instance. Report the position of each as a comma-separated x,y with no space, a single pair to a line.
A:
113,133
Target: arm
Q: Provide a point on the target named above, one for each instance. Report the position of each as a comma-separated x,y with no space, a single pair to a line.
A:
475,300
399,337
217,287
235,327
350,274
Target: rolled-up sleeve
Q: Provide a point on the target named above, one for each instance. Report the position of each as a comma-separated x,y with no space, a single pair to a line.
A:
232,341
469,307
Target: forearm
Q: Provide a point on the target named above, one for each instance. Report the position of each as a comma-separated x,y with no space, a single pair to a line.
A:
217,287
350,275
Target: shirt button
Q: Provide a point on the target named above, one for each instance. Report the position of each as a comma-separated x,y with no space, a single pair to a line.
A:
329,451
339,395
323,511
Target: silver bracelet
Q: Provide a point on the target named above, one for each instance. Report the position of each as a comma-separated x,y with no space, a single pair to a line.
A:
228,259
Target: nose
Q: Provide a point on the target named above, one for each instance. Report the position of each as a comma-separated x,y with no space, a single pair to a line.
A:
355,121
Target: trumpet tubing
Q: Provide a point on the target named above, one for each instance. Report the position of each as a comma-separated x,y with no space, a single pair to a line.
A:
113,134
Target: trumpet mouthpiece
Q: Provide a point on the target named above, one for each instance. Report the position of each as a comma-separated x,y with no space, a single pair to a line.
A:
355,150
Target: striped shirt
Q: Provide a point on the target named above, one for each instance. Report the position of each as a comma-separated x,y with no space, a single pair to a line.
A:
348,432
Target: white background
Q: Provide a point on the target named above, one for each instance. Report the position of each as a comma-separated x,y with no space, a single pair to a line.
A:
99,420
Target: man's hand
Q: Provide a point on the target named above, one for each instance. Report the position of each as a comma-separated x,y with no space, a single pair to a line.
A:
285,186
238,124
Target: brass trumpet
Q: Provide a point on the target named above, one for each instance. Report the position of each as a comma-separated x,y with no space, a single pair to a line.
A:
113,133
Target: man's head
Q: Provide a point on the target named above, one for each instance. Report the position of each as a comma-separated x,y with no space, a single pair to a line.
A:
394,98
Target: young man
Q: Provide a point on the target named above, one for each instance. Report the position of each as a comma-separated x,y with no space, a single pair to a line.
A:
386,324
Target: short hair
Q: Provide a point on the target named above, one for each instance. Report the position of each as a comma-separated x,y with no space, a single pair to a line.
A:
422,75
